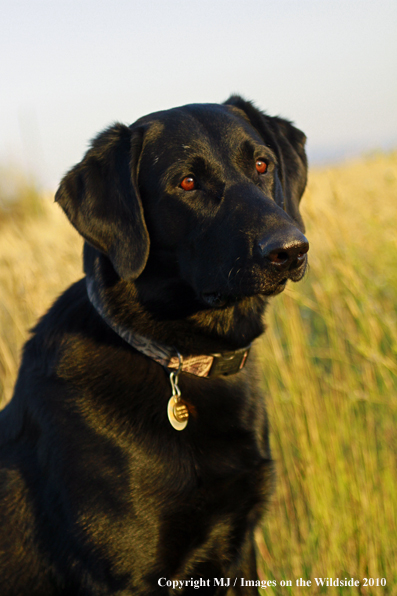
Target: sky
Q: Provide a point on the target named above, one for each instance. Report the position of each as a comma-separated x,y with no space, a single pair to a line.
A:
69,68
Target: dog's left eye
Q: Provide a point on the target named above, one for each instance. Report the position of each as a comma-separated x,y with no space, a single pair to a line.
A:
261,166
188,183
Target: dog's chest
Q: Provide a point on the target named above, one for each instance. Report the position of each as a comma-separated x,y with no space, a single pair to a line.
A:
157,501
199,501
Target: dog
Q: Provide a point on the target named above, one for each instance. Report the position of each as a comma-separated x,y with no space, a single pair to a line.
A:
135,453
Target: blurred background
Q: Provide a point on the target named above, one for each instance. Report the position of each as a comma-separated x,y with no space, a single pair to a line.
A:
69,68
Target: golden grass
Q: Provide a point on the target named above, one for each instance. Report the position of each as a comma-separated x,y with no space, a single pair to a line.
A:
329,372
40,256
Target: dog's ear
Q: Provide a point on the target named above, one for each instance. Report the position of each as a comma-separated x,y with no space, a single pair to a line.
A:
288,143
101,199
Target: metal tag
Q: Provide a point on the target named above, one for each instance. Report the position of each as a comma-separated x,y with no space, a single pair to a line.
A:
178,414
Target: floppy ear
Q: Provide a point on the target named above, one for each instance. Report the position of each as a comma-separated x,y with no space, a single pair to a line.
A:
288,143
101,199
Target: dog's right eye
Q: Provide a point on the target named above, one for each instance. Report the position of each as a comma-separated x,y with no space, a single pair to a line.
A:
261,166
188,183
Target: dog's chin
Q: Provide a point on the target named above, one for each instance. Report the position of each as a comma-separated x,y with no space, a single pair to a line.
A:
216,299
277,289
220,300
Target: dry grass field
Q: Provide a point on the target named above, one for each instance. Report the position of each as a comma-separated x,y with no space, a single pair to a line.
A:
329,371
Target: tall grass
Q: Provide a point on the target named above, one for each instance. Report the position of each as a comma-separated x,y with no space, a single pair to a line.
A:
329,372
40,255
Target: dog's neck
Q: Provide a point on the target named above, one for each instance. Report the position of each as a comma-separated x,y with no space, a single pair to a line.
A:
204,365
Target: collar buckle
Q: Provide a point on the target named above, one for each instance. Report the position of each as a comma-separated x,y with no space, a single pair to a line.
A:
228,363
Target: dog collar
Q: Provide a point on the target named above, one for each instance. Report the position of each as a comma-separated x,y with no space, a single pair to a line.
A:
206,365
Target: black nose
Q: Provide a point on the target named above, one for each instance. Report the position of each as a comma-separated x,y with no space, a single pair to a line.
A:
284,250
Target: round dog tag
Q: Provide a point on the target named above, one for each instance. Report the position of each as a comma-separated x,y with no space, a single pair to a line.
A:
178,414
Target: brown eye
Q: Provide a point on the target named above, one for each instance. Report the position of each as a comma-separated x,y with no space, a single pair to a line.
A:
261,166
188,183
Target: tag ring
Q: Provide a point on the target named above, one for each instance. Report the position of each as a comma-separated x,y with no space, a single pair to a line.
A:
178,413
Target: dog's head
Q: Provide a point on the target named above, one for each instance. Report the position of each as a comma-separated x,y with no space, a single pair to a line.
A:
205,197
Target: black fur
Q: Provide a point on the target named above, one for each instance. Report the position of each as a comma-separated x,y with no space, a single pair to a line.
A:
99,494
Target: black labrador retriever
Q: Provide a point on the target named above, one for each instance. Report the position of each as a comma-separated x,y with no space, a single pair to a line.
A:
134,453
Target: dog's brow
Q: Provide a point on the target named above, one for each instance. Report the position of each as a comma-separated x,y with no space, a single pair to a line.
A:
196,164
246,149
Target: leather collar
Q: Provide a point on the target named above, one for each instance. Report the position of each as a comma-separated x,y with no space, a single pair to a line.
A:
205,365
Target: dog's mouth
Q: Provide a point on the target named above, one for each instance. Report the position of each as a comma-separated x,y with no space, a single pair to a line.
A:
219,300
256,283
